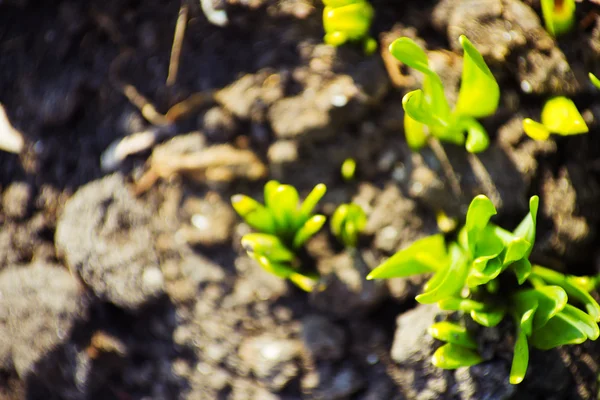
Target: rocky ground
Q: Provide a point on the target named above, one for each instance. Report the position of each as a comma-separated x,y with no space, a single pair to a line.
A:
121,272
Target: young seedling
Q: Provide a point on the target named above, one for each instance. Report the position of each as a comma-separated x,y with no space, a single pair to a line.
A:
559,16
594,79
347,223
427,111
348,169
284,225
559,116
348,21
486,274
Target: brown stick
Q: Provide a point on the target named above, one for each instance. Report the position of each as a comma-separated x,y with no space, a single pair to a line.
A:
180,27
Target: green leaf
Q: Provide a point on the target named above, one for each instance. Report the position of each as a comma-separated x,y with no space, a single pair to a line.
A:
559,330
416,107
421,257
255,214
309,204
452,333
526,228
348,169
488,318
584,321
549,300
304,281
574,291
479,92
460,304
337,219
354,20
479,213
520,359
408,52
338,3
522,270
477,137
270,189
278,269
415,134
308,230
347,222
448,281
491,268
451,356
284,208
561,116
263,244
594,79
517,249
535,130
558,17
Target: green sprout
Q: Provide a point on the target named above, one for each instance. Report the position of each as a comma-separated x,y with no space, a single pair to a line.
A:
284,225
348,20
486,273
594,79
559,116
427,111
347,223
559,16
348,169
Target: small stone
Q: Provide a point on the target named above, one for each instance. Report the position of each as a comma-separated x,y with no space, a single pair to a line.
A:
16,200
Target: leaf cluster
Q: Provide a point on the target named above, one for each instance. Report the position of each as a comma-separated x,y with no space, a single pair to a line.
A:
347,222
348,20
284,224
486,273
427,111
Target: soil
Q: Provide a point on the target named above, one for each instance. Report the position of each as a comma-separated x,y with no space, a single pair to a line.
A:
121,272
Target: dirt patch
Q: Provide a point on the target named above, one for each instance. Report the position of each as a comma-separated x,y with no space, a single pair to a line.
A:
122,275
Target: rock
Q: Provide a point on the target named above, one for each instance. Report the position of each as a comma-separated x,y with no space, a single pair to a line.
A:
106,236
500,29
327,105
338,383
11,139
412,344
323,339
39,306
244,97
343,290
16,200
272,360
218,124
212,221
394,220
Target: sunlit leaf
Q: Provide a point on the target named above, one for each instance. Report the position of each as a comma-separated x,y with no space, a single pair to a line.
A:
549,301
479,213
488,318
309,204
561,116
267,245
479,92
594,79
535,130
460,304
417,108
414,131
451,356
447,281
255,214
559,330
520,359
308,230
352,19
452,333
423,256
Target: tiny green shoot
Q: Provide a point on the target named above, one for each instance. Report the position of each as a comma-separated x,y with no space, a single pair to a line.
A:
348,169
559,16
427,111
284,225
348,21
594,79
347,223
486,274
560,116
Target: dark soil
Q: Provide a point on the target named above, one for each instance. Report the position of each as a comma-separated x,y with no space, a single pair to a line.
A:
161,302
